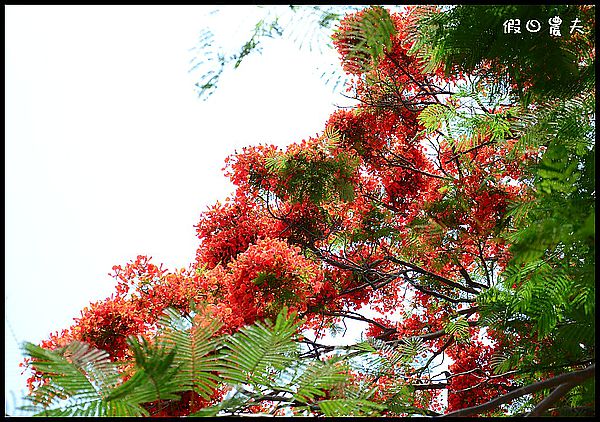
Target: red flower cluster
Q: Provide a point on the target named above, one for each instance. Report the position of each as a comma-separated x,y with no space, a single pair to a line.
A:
473,380
269,275
248,169
227,229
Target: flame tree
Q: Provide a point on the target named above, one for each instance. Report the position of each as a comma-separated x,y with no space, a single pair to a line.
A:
451,211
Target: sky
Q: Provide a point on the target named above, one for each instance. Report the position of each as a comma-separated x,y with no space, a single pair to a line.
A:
109,152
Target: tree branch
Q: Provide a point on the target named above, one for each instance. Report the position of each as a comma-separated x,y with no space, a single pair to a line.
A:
432,386
455,156
571,378
437,277
356,316
402,162
435,354
436,294
485,268
545,404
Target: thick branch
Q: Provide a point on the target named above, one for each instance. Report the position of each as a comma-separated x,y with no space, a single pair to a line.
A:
468,279
545,404
437,277
381,278
434,335
436,294
412,78
575,377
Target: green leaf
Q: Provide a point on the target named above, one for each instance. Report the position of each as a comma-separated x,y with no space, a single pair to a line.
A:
276,163
459,328
250,355
369,37
81,380
194,348
154,376
350,407
317,378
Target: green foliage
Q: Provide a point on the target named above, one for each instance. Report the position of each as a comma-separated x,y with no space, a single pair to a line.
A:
368,39
80,382
154,376
570,121
349,407
433,116
548,288
410,348
263,361
257,352
260,362
546,293
316,379
212,62
542,297
83,381
317,176
262,29
459,328
557,171
470,123
194,347
306,26
466,37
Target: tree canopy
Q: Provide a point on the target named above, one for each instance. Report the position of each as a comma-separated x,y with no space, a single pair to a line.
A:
452,211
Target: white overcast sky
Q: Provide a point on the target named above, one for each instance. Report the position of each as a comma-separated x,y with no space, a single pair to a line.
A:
110,154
